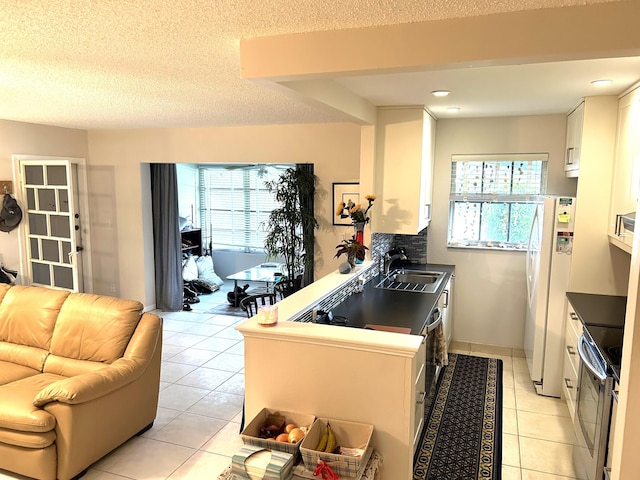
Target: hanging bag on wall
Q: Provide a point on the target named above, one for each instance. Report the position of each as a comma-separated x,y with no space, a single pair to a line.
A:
7,275
10,214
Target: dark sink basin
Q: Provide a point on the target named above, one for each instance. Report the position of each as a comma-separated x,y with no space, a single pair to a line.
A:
412,281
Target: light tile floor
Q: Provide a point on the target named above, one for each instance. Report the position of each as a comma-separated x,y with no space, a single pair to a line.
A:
196,431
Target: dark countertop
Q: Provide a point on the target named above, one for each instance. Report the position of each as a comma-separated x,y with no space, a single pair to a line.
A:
376,306
600,310
603,316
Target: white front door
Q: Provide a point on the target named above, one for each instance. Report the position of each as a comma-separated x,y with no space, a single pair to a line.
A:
53,234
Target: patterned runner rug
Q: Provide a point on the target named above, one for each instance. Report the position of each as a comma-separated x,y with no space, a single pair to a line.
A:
462,437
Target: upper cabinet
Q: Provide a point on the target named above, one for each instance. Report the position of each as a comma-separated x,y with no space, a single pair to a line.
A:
575,122
405,142
594,268
624,188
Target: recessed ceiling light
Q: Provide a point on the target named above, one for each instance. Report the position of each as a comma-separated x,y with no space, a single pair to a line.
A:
440,93
601,83
453,109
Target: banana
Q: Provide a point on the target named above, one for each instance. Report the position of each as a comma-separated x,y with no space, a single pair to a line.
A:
331,441
322,444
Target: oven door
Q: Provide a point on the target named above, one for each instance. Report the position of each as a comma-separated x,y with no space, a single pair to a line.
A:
432,370
593,412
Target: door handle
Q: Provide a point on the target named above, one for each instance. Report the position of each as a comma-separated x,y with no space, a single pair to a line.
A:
571,350
569,156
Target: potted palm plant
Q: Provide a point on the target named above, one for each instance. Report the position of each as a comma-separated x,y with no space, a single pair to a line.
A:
291,225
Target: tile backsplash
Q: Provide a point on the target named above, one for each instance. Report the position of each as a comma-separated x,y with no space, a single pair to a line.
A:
415,245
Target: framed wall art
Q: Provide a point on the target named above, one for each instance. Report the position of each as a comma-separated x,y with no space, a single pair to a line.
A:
344,192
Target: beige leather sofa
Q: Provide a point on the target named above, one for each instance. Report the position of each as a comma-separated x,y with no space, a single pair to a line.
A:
79,375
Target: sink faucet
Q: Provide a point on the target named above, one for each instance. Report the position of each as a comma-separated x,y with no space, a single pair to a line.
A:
389,259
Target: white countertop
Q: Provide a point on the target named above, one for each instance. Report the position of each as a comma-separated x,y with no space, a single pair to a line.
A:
306,332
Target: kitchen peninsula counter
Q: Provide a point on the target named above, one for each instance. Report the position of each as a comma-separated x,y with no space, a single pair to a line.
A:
376,306
343,373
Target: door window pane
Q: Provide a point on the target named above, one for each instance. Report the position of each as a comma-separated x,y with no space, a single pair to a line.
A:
60,226
56,175
50,250
34,175
66,249
35,249
41,273
31,198
46,200
37,224
63,202
63,277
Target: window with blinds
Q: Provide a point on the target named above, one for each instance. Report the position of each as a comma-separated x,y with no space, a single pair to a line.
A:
235,204
493,197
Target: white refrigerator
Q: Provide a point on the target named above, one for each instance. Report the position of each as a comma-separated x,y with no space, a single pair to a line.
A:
547,269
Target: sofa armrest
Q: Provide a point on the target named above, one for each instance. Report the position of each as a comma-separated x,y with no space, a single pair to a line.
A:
89,386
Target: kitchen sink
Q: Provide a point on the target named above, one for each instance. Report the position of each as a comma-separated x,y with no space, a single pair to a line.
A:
412,281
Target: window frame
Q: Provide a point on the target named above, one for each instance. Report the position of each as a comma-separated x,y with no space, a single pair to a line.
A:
205,212
483,198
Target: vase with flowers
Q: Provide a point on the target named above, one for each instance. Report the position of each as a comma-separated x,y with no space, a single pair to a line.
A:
359,218
352,248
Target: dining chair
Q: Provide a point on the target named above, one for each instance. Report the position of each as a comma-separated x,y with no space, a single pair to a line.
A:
285,287
251,303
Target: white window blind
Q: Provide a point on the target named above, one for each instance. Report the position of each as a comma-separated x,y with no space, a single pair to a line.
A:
235,204
493,197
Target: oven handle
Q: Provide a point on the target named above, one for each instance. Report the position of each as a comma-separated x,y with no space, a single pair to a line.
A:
437,320
587,359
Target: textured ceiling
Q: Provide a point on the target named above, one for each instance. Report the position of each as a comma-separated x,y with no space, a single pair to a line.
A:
161,63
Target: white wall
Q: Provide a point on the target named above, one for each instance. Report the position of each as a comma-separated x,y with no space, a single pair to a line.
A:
490,290
123,157
17,138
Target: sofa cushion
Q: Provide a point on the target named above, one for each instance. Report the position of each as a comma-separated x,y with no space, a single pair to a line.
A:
28,314
10,372
31,357
94,327
27,439
70,367
18,412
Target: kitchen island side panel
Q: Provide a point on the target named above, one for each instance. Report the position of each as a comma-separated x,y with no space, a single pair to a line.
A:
334,381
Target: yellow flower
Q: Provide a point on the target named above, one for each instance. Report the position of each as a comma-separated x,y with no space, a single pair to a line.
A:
340,209
355,208
371,198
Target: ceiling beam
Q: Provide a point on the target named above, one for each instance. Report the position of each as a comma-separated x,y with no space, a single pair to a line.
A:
530,36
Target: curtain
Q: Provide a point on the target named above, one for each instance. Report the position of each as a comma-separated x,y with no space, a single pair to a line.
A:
166,237
308,224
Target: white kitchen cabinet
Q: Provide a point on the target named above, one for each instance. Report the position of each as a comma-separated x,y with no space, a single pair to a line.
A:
419,374
575,122
573,331
624,188
594,267
405,141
